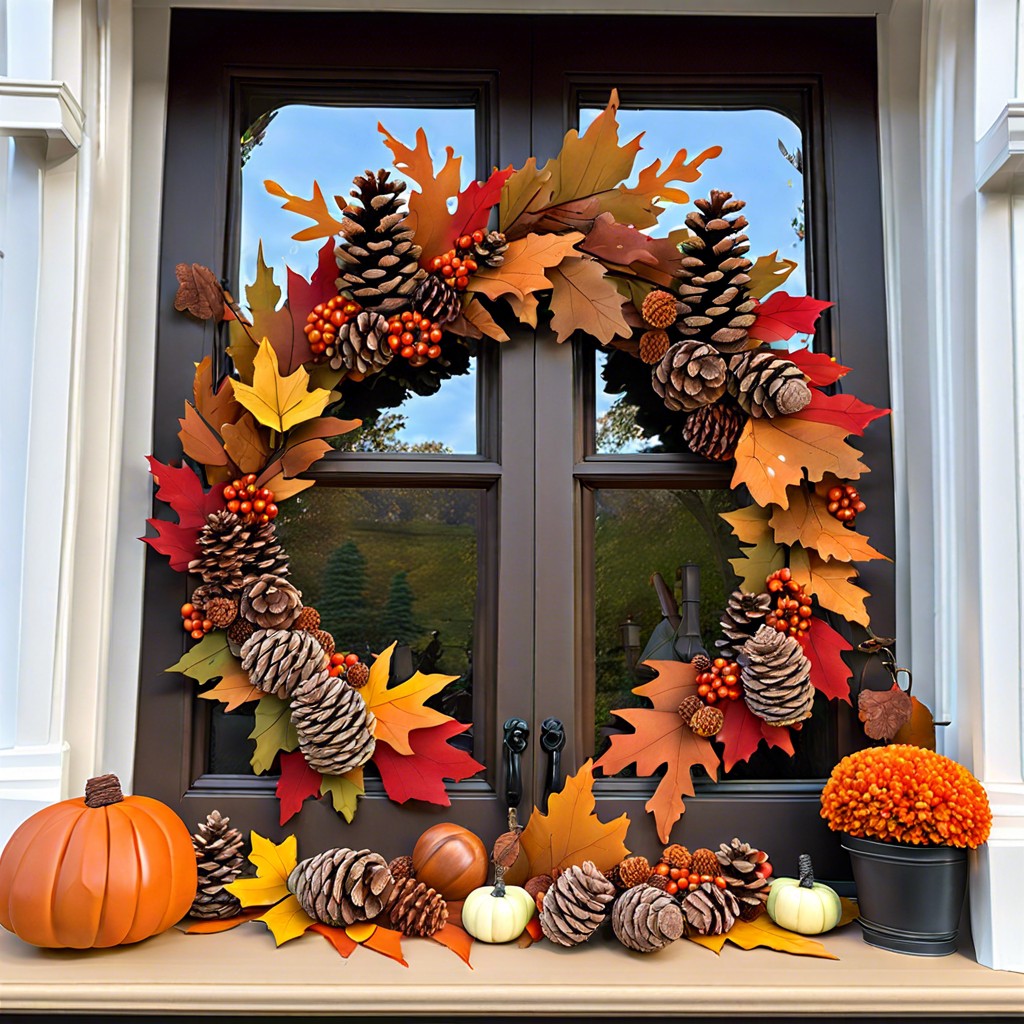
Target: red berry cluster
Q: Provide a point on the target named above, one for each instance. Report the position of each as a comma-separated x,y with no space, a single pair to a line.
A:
720,682
844,503
414,337
195,625
456,264
340,663
254,504
681,880
792,608
322,324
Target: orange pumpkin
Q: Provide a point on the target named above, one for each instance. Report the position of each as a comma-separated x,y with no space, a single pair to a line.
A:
450,859
105,870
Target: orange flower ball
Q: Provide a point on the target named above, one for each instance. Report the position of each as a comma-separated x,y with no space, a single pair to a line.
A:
906,794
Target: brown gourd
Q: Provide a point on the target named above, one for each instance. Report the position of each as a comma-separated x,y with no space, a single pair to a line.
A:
450,859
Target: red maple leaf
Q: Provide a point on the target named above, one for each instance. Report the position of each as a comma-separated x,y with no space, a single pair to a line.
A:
845,411
820,369
824,647
475,202
177,542
782,315
421,776
183,491
298,782
303,296
743,731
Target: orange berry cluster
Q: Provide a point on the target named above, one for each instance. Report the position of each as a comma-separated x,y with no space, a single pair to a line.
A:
322,324
414,337
682,880
844,503
720,682
793,609
254,504
454,268
906,794
341,663
195,625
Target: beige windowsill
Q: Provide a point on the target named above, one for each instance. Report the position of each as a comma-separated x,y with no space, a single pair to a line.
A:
242,971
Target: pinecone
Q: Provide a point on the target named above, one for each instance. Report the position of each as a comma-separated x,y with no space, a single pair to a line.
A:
690,375
357,675
239,631
614,875
490,252
653,346
765,384
634,871
437,300
646,919
704,862
707,722
334,725
743,614
271,602
776,677
659,881
362,345
576,904
660,309
341,887
676,856
416,909
223,550
220,862
710,910
380,262
700,663
714,430
264,554
402,868
689,706
324,639
221,611
278,660
309,619
739,862
715,306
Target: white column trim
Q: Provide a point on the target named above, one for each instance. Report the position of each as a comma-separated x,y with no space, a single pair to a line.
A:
47,110
1000,152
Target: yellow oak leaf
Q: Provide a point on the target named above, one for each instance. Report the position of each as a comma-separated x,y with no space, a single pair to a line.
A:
829,581
279,402
325,224
749,524
768,273
273,732
522,271
584,299
806,521
772,454
755,564
571,832
274,862
764,932
345,791
400,709
233,691
287,920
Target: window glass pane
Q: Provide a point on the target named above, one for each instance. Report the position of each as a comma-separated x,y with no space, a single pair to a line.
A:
762,163
382,564
420,416
641,532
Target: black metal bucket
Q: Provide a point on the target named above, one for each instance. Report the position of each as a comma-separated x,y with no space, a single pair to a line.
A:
910,897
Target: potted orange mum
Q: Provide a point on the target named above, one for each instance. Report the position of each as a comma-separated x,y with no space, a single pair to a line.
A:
909,816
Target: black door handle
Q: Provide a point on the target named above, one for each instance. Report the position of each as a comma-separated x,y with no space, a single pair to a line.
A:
517,736
552,742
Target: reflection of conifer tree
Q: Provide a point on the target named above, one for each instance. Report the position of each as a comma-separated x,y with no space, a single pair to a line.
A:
396,621
343,606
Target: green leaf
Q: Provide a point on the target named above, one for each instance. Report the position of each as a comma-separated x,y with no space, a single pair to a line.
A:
272,732
208,659
344,791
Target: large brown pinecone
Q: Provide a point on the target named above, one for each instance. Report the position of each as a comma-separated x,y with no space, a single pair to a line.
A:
341,887
271,602
715,305
379,261
219,862
333,723
223,551
765,384
264,554
710,910
646,919
776,677
739,862
490,252
416,909
690,375
576,904
743,614
714,430
278,660
437,300
363,344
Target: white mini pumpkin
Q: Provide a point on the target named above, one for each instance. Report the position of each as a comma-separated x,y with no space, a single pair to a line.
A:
803,905
497,913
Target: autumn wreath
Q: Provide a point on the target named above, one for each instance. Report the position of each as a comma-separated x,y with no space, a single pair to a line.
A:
406,285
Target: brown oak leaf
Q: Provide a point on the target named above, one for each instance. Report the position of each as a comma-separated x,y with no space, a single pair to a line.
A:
584,299
199,292
523,270
807,521
884,712
830,582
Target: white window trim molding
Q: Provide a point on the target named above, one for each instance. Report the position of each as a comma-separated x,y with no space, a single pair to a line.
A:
47,110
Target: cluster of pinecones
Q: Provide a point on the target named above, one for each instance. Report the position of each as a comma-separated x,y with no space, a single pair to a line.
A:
698,344
776,674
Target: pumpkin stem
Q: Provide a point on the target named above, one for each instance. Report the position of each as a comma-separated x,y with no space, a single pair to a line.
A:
806,871
499,881
102,791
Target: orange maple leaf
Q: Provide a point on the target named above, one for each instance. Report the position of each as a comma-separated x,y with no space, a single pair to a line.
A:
830,582
325,224
662,738
522,271
807,522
